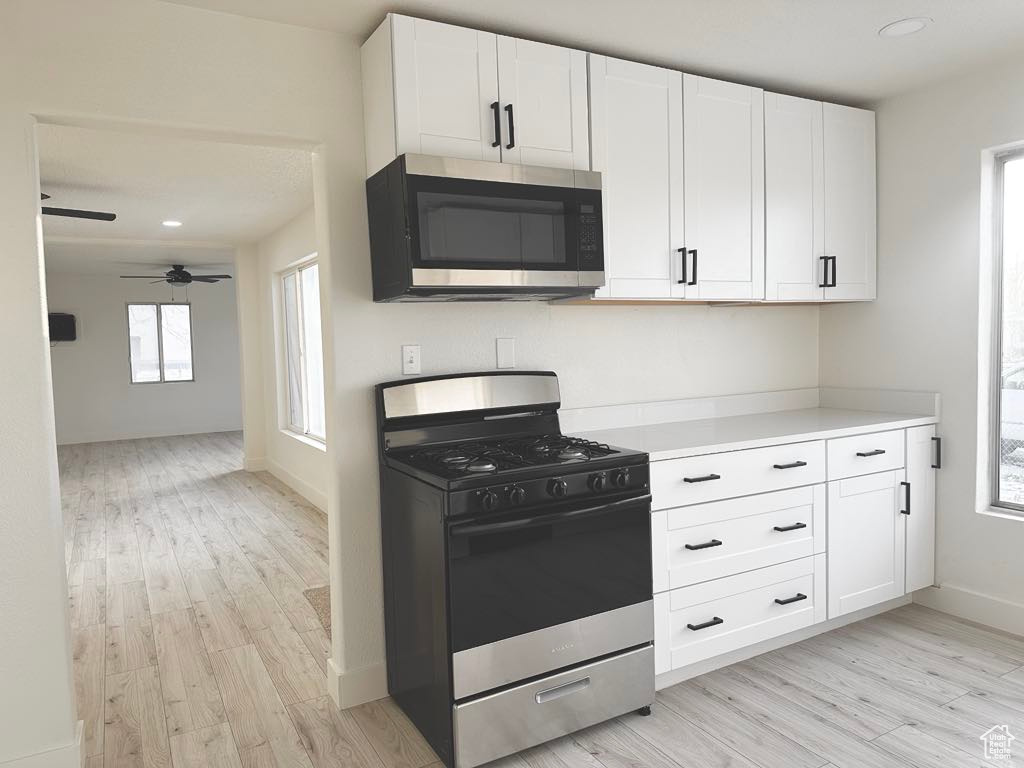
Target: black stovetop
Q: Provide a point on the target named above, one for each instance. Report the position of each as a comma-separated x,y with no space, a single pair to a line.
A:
490,457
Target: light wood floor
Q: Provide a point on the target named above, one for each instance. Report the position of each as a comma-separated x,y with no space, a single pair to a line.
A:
194,646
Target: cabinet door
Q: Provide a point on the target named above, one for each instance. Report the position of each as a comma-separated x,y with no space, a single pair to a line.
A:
921,520
636,123
724,188
866,541
446,79
850,201
543,104
794,199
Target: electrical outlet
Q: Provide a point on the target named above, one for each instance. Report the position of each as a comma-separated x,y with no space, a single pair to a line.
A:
506,353
410,359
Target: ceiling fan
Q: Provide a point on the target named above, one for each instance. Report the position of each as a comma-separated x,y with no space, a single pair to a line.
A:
178,275
74,213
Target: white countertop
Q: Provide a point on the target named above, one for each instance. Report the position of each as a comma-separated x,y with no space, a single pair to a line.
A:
732,433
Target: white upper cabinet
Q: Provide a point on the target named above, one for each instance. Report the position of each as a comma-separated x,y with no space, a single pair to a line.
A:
439,89
849,202
636,124
543,91
723,136
794,183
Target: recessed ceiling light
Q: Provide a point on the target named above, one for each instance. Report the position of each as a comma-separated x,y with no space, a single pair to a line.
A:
172,223
904,27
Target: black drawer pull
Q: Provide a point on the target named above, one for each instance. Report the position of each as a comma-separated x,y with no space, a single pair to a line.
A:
907,510
787,528
702,479
865,454
794,465
938,453
794,599
705,545
713,623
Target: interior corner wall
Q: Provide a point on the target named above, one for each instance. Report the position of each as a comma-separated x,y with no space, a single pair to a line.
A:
298,462
94,399
922,332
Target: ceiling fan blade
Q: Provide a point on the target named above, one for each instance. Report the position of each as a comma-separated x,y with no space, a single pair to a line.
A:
140,277
205,279
217,277
161,280
74,213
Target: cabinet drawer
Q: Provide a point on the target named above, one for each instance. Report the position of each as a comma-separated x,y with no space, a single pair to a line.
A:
722,538
865,454
709,619
697,479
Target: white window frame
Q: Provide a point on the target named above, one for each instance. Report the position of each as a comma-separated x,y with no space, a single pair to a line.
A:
996,504
160,339
298,429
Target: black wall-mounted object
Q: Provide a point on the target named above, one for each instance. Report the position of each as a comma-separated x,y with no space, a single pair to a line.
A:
62,327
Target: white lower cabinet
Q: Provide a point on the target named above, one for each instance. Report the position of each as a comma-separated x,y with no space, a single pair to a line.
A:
704,620
746,557
866,541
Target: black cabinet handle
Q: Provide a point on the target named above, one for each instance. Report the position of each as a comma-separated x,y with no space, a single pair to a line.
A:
682,271
713,623
705,545
824,272
794,599
511,127
787,528
497,124
794,465
938,453
832,282
907,510
693,252
866,454
702,478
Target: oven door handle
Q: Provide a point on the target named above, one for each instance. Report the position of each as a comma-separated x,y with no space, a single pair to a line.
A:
468,529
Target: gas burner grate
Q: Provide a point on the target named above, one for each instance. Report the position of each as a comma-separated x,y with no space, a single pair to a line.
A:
483,456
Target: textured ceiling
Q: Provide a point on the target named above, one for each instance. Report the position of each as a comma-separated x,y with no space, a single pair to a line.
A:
824,48
222,193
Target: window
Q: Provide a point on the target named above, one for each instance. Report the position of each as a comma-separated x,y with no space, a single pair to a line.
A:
1008,397
160,342
304,351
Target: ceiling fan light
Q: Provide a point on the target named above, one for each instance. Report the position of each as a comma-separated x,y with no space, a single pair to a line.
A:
171,223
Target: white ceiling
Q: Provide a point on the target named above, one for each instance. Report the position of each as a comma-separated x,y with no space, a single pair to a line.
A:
222,193
824,48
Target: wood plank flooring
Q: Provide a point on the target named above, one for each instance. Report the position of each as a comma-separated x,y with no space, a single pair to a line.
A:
194,647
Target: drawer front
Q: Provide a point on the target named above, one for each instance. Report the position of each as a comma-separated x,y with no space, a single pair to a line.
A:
697,479
722,538
502,723
865,454
709,619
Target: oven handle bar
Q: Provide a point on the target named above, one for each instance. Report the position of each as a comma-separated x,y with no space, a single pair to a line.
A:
468,529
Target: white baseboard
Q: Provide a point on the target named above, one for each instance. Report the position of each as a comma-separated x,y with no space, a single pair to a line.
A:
349,688
255,465
314,496
974,606
69,756
742,654
142,434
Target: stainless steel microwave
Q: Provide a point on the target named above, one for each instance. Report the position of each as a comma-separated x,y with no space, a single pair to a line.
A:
446,229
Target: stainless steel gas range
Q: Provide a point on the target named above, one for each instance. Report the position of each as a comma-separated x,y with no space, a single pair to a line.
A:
517,566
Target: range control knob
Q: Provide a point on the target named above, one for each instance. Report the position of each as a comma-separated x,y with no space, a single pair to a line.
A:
489,500
598,482
517,494
558,488
621,478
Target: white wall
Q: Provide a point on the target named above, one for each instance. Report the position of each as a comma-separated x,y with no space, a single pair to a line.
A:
299,462
93,396
922,333
219,76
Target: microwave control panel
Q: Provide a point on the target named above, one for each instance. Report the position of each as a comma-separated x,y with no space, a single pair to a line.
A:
589,231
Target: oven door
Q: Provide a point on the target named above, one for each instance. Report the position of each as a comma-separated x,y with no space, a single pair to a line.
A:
543,590
472,233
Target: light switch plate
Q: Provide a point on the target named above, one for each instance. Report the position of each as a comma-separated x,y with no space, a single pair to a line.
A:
506,352
410,359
